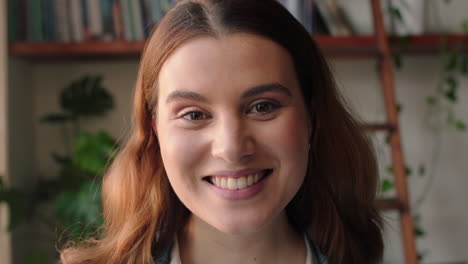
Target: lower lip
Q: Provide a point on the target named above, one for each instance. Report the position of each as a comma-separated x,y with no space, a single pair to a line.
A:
242,194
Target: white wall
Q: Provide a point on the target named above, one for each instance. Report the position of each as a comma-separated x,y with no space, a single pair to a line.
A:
444,213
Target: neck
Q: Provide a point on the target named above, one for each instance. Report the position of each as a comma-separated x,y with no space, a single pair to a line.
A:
277,242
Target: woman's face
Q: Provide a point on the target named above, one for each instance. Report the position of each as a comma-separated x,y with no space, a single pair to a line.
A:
233,130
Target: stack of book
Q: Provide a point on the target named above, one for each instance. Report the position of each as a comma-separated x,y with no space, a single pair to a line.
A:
83,20
320,16
132,20
302,11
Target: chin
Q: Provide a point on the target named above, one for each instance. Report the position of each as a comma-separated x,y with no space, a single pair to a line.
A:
232,226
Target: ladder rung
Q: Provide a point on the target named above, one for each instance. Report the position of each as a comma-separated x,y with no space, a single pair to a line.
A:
379,127
390,204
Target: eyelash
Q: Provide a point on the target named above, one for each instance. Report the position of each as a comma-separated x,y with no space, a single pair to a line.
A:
273,106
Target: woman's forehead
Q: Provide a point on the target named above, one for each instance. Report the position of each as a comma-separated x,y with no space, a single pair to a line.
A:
234,60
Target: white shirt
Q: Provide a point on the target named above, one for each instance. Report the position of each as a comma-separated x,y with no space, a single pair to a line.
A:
175,254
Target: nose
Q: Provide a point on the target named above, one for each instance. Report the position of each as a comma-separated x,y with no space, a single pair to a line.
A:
233,141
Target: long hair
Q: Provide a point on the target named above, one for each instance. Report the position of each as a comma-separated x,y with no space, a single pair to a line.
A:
335,204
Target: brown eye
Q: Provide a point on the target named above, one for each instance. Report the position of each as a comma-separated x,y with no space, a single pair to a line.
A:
264,107
194,116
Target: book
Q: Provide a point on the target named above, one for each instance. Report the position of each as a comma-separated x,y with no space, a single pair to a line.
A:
13,21
146,16
35,22
328,18
76,21
62,25
155,12
124,11
319,26
301,10
306,16
94,19
340,19
108,33
164,7
118,20
48,22
137,20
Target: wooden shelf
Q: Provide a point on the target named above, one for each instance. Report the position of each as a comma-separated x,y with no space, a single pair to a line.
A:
333,47
390,204
378,127
86,50
365,46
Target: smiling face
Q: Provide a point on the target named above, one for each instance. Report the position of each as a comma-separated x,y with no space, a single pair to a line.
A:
233,130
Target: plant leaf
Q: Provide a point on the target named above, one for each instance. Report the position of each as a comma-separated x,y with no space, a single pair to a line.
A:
387,185
451,90
452,61
460,125
86,97
390,169
92,152
35,256
419,232
80,211
18,205
404,41
408,171
464,64
431,100
422,170
398,61
56,118
399,108
465,26
59,159
396,13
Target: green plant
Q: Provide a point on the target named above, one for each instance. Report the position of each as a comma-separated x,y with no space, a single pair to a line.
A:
74,194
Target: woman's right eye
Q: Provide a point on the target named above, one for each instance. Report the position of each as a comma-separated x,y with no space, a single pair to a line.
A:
194,116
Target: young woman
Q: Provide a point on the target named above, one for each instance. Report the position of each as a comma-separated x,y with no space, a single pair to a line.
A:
242,150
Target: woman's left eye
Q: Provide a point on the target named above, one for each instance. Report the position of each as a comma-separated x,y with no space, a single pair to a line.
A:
264,107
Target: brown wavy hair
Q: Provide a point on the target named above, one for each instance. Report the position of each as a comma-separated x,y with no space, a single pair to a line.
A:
335,204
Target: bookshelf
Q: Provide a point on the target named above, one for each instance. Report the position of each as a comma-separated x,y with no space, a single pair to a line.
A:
353,47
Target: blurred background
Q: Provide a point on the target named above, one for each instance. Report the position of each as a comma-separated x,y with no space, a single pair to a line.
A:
67,73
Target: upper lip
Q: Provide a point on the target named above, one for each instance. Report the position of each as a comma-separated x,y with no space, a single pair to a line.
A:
237,173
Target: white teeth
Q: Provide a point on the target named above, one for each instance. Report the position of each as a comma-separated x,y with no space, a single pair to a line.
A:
236,183
250,180
241,183
223,183
232,184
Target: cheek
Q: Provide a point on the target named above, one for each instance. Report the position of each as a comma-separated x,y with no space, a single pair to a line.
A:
180,150
288,136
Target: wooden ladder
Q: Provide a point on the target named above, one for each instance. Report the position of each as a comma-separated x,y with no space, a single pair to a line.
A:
401,203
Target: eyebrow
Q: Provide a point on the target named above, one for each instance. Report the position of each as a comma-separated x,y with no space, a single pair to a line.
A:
271,87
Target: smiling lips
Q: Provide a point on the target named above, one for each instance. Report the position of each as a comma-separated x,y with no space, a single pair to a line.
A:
236,182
